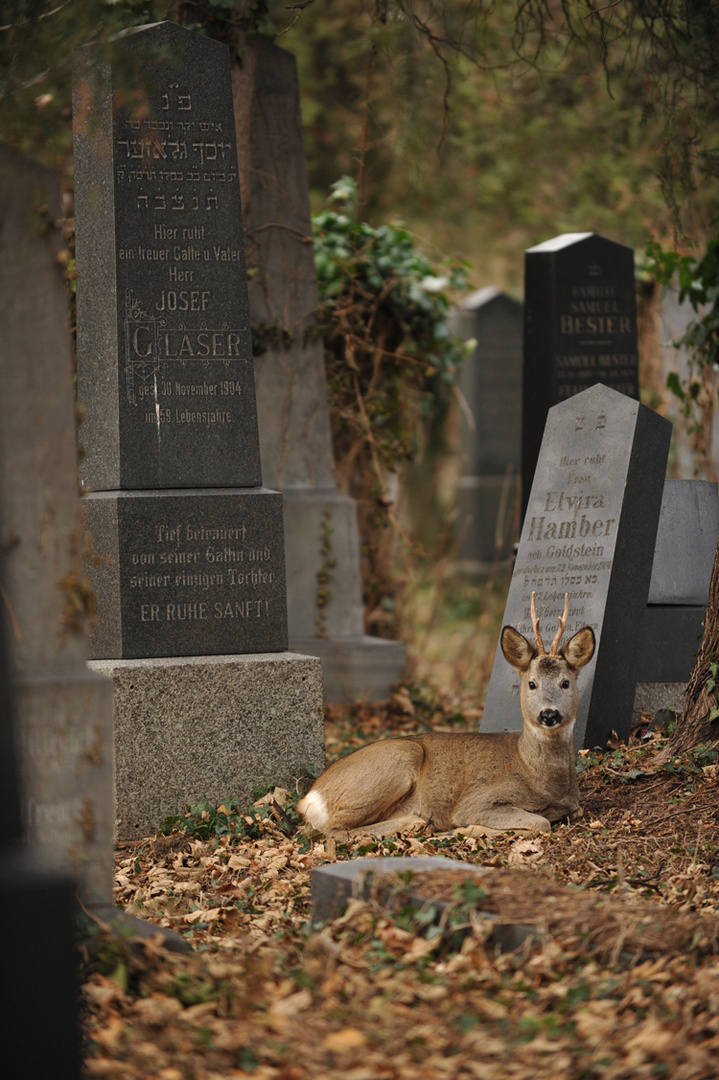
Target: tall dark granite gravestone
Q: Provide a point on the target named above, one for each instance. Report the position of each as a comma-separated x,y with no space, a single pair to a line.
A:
187,546
580,328
590,531
490,442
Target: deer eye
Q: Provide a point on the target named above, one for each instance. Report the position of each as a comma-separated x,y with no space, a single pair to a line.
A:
532,685
566,684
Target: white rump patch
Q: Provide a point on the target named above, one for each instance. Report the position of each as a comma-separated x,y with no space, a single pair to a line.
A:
314,809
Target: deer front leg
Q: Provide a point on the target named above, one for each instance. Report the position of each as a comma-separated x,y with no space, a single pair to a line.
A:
508,818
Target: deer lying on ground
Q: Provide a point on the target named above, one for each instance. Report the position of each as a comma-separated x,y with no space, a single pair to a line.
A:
504,780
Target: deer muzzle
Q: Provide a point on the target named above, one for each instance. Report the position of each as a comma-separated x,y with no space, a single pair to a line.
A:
550,717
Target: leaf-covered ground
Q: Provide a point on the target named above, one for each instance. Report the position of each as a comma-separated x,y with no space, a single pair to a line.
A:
618,976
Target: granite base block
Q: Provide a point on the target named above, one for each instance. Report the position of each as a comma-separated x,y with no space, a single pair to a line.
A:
356,668
208,729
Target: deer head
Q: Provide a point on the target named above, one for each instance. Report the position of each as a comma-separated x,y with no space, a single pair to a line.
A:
549,695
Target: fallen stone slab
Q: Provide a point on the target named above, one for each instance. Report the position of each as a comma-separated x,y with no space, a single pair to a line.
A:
334,884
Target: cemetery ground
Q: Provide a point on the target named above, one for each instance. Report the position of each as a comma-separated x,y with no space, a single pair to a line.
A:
618,976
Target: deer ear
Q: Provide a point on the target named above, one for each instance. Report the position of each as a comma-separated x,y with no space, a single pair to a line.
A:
579,650
516,649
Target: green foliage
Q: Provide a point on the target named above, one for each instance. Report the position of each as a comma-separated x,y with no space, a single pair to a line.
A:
232,820
391,362
39,44
698,280
488,153
384,321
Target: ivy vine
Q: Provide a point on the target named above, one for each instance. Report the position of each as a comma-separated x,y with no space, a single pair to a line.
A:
391,364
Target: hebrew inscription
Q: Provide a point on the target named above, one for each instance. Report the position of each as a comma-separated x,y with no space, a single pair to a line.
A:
184,406
187,351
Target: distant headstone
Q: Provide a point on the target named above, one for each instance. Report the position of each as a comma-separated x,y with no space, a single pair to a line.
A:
590,531
580,328
490,437
679,588
187,546
293,412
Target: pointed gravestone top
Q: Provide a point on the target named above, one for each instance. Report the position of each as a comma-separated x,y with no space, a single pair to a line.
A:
165,372
590,531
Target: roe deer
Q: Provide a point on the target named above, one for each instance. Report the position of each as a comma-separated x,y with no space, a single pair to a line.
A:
504,780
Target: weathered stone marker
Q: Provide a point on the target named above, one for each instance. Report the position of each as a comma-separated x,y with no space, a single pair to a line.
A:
188,546
590,531
46,777
580,328
292,405
63,712
491,381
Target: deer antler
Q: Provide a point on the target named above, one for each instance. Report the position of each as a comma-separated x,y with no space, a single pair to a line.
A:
541,651
554,651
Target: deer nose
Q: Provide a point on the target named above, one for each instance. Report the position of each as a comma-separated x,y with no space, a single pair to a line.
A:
550,717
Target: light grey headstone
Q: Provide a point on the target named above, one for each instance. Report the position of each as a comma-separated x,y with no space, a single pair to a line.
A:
293,413
590,531
686,543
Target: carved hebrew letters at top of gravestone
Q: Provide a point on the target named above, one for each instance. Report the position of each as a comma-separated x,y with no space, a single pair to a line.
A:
165,371
580,328
589,531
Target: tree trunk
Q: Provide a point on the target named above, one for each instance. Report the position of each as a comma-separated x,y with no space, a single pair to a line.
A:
695,725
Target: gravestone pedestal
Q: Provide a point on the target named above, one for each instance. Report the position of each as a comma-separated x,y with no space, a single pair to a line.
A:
187,555
207,728
590,531
320,522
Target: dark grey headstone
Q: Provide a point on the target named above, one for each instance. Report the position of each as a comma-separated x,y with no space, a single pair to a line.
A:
679,587
686,543
491,441
187,573
491,381
669,642
590,530
580,328
165,372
